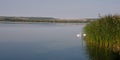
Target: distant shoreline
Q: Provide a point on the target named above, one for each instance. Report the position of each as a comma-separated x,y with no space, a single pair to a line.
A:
43,19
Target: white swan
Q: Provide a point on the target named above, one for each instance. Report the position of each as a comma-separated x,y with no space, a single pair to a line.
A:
84,34
78,35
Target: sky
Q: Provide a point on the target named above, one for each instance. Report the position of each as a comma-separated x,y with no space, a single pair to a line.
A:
59,8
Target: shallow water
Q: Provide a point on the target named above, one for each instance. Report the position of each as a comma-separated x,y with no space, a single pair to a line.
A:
41,41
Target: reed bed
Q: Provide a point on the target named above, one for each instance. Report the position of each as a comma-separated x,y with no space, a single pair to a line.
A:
104,32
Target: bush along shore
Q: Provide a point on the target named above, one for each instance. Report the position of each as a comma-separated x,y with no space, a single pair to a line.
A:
104,32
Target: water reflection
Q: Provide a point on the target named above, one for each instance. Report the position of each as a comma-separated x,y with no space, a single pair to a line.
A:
99,53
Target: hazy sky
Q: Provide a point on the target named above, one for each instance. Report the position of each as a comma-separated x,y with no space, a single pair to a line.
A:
59,8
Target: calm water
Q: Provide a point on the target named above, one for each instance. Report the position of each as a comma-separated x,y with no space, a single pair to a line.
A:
44,41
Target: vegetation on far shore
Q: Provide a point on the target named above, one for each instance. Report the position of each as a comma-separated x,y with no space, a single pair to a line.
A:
104,32
43,19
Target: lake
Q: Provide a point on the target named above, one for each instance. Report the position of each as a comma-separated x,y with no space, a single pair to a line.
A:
48,41
42,41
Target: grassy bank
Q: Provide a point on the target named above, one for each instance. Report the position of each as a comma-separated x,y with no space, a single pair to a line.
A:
104,32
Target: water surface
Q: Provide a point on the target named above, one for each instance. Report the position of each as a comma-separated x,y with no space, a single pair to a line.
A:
44,41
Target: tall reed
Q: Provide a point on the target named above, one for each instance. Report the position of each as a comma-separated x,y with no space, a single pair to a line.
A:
105,31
